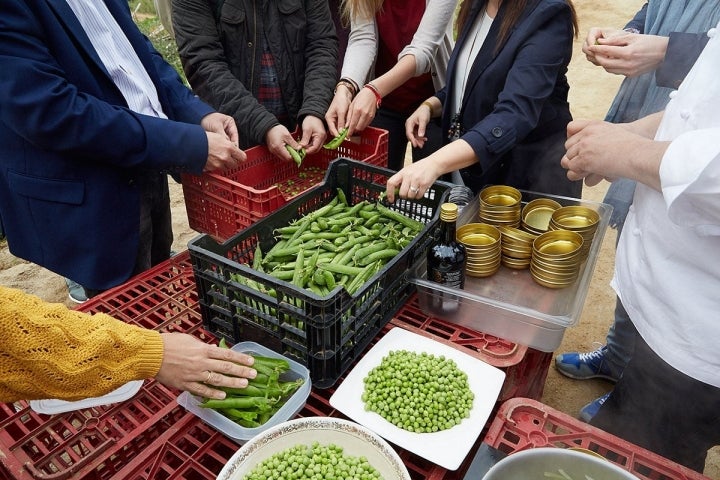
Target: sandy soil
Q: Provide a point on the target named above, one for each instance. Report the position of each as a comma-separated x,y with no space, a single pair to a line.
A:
591,93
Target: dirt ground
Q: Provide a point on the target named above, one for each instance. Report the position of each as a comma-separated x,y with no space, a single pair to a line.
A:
591,92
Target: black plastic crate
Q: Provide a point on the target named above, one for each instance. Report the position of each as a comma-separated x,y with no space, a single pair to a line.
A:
327,333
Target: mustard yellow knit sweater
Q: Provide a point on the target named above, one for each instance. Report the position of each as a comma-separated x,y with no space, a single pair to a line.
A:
50,351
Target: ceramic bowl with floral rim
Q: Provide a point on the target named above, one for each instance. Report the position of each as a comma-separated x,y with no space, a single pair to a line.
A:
353,438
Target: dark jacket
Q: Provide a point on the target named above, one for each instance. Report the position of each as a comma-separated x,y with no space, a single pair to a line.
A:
222,58
515,109
71,152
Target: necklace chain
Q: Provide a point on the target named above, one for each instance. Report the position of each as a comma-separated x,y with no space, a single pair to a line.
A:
455,126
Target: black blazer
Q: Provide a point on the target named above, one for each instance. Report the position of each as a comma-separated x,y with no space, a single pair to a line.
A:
515,109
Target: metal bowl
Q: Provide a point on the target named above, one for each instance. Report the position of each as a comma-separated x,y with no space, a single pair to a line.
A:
532,464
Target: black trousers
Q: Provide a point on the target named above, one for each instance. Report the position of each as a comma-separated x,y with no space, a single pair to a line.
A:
155,236
663,410
394,123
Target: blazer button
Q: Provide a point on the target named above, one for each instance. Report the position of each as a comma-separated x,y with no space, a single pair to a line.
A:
497,132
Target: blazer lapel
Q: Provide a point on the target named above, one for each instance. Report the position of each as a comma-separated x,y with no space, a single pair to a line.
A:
486,54
67,17
488,51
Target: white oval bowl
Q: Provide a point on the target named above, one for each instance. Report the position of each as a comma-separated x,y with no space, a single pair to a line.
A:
355,440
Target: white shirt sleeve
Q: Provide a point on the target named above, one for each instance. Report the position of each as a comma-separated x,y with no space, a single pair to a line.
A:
690,178
361,51
434,25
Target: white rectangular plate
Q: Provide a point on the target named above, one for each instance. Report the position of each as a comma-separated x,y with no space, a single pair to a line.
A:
446,448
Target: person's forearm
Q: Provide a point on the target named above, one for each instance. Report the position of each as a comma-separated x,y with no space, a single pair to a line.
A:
646,126
403,71
81,356
644,165
453,156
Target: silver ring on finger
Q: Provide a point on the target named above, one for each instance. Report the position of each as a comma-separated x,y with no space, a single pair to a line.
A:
414,190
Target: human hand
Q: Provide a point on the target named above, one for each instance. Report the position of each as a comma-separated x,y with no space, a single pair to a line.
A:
223,154
413,180
313,134
593,37
276,138
416,125
191,365
362,111
629,54
597,150
221,124
337,114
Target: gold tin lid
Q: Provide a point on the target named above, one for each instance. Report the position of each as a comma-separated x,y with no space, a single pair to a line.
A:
558,243
515,235
500,195
576,217
537,213
550,283
538,219
481,260
515,263
478,235
483,272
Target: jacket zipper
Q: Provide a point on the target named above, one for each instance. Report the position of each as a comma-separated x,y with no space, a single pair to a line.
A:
254,52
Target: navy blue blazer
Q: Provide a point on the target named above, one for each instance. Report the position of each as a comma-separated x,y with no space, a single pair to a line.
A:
515,110
71,150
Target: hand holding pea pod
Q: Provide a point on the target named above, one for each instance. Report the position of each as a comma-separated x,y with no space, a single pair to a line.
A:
253,405
297,155
337,141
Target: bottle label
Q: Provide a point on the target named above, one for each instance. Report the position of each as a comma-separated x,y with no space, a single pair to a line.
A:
443,303
452,279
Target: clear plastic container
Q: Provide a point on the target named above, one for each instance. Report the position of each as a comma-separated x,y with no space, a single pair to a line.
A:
241,434
510,304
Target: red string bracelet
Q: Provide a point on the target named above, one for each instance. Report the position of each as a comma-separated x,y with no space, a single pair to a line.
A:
376,92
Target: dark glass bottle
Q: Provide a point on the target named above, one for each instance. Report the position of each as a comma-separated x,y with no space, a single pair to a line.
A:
446,260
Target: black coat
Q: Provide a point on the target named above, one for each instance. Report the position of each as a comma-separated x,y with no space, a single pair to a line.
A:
220,46
515,109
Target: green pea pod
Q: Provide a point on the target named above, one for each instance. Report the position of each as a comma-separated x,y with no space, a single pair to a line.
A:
296,155
335,142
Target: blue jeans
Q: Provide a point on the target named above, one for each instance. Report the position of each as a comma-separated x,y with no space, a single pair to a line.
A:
621,336
620,339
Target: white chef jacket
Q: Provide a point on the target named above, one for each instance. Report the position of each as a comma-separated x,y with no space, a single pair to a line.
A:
667,270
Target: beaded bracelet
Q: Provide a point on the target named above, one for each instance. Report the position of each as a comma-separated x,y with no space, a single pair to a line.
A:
349,85
376,92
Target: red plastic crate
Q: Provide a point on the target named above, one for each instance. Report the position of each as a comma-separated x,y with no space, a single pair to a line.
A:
525,368
150,437
523,423
194,450
91,443
95,443
223,204
163,298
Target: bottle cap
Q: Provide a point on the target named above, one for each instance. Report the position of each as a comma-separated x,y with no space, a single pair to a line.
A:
448,212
